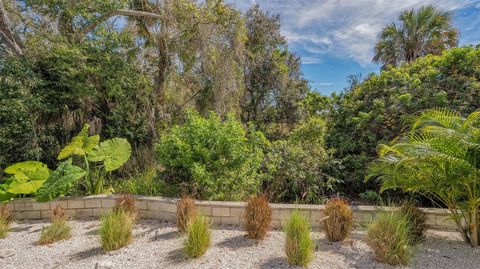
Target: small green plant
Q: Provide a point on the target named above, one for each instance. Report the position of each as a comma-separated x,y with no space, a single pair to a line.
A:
116,230
339,222
417,220
186,212
198,238
389,237
126,202
258,215
58,230
299,245
4,220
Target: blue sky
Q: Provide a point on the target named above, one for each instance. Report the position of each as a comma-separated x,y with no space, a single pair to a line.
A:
335,38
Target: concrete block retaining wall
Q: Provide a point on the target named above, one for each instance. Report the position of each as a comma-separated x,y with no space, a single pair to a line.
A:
230,213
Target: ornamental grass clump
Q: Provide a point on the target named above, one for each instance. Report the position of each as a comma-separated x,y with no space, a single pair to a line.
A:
116,229
198,237
417,221
4,220
127,203
299,245
58,230
338,223
389,237
186,212
258,215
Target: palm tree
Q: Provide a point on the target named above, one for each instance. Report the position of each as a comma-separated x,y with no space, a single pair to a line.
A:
440,158
427,30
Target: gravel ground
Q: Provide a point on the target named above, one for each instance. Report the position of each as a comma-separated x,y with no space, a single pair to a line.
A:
157,245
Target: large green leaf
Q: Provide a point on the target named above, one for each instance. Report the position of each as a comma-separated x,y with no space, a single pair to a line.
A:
80,145
4,195
29,187
28,171
60,181
113,153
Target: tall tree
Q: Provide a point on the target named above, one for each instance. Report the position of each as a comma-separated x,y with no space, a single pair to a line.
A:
418,32
273,78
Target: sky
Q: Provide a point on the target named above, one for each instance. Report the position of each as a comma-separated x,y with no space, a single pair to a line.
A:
335,38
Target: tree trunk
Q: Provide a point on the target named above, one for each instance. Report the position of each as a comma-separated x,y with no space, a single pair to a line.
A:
474,236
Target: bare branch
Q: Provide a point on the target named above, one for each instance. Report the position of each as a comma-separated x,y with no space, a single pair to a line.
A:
6,34
126,12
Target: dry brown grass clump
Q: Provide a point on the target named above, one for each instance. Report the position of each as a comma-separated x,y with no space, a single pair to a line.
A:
127,203
417,219
186,212
58,212
258,215
4,220
339,222
58,230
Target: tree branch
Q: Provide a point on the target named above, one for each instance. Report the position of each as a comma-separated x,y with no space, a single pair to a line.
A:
126,12
6,34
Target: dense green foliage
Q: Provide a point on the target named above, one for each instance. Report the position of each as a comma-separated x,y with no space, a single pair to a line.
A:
378,109
134,69
212,159
440,159
298,167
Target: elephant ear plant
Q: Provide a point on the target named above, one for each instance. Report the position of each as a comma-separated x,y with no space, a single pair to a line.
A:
95,156
25,178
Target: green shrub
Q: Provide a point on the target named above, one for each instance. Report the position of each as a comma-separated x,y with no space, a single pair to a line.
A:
417,220
116,230
258,215
144,183
198,238
371,197
4,220
57,231
298,246
388,236
211,158
339,222
298,167
376,109
186,212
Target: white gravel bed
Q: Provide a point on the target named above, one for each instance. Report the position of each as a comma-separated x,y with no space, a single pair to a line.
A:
157,245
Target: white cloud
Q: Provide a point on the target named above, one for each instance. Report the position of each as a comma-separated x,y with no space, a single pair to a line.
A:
346,28
322,84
